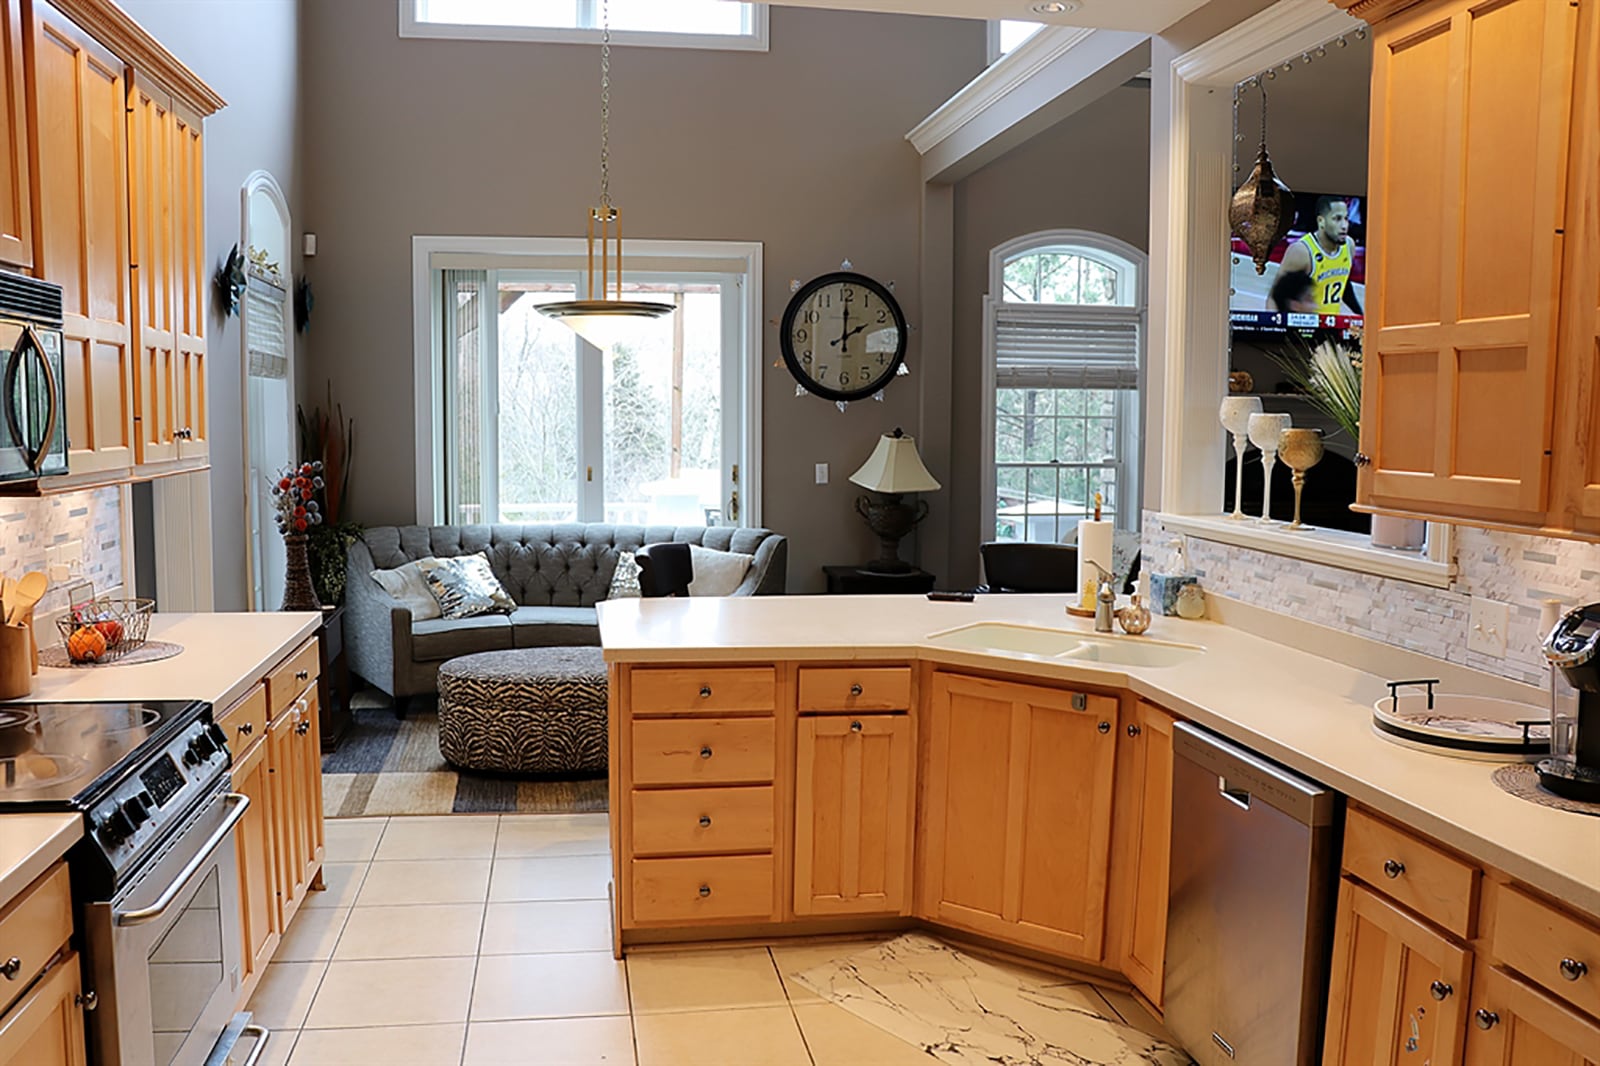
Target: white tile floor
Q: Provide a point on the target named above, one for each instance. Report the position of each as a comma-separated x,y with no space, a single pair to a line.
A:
474,939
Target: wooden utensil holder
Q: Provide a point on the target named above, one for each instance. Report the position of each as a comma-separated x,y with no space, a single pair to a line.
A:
16,662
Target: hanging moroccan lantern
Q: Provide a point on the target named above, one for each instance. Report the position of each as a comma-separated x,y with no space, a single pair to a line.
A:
1262,209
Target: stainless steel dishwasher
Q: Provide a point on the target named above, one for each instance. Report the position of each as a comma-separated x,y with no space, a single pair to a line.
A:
1254,873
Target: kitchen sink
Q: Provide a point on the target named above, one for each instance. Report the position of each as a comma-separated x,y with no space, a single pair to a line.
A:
1065,644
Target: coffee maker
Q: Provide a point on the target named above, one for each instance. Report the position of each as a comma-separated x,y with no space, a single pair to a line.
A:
1573,768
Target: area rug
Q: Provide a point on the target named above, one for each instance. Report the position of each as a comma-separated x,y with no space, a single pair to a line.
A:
962,1010
387,765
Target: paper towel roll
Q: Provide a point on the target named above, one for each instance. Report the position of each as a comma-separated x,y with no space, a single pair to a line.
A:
1094,545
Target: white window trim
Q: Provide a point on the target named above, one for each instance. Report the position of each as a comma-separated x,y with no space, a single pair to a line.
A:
427,367
754,41
1131,442
1195,354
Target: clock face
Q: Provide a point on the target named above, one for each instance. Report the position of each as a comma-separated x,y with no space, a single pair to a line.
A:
843,336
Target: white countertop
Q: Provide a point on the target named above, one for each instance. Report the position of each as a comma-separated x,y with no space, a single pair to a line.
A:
224,654
1310,713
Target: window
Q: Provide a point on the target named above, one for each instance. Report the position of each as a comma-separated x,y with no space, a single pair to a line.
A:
1063,339
681,23
1006,34
529,424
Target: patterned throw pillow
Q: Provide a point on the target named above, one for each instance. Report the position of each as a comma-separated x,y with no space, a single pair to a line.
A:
625,581
465,586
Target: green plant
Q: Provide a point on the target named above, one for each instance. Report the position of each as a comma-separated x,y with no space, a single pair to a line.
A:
1329,375
328,546
326,437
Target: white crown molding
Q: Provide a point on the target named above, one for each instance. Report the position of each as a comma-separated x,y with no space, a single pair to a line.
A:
997,82
1284,29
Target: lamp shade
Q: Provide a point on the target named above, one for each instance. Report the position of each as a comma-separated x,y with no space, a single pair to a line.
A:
895,466
603,322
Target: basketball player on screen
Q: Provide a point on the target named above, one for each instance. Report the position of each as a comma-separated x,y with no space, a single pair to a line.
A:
1325,254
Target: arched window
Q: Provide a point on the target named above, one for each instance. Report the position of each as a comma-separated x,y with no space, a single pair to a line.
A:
1063,351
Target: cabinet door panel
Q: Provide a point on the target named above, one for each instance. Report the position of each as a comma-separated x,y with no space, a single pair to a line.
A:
1144,958
46,1027
1578,388
16,198
309,740
1399,987
284,771
1470,107
1514,1025
150,190
970,760
258,898
189,280
853,806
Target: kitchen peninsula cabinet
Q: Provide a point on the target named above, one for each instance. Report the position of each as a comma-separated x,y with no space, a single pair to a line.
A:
41,1003
1145,835
1514,1025
245,725
16,186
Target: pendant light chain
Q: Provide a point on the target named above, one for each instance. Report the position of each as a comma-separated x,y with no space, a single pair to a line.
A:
605,106
1263,87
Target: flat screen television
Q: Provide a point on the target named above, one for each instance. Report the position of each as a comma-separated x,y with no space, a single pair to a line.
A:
1325,289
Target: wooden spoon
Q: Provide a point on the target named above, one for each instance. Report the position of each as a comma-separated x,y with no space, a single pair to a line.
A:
27,592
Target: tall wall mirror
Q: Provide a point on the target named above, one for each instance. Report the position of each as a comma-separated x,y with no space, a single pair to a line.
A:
267,313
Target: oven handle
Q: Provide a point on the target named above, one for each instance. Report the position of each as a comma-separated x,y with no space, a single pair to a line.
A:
262,1035
237,804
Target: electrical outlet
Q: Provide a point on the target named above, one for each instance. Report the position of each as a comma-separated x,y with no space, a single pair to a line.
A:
822,473
1487,622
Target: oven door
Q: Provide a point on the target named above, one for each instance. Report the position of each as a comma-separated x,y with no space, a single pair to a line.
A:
166,954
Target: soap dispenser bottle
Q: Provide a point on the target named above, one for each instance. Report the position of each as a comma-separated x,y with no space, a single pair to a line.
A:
1167,587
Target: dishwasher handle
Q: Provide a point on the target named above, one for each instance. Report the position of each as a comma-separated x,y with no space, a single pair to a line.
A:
1245,778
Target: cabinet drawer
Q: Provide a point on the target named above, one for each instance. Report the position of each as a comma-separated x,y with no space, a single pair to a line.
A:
707,690
690,821
1430,881
34,926
853,689
1543,944
703,751
246,721
291,677
703,888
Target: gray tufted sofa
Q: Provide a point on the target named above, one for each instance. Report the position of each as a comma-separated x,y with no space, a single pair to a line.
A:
556,573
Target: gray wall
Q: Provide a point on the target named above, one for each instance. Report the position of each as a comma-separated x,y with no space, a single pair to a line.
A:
248,51
801,148
1090,171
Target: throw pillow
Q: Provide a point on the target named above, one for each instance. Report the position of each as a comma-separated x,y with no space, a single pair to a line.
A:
465,587
717,573
406,584
625,580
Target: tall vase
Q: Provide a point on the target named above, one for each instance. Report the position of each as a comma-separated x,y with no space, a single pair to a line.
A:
298,592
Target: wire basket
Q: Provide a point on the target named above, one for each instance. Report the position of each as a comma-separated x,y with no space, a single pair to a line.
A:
104,630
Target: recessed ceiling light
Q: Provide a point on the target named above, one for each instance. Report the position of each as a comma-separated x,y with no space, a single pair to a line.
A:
1055,7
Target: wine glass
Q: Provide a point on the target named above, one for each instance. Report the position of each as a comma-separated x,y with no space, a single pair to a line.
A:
1265,431
1302,450
1235,414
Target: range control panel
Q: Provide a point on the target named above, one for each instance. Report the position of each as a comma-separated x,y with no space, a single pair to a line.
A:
138,811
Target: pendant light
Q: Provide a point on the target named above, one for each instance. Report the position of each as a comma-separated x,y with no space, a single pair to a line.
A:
601,321
1262,209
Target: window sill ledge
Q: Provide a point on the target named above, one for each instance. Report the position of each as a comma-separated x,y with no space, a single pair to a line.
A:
1331,547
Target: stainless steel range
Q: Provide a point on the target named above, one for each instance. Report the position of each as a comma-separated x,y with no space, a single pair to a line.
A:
155,880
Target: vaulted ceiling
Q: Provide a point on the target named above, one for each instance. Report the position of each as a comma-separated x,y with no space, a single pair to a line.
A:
1147,16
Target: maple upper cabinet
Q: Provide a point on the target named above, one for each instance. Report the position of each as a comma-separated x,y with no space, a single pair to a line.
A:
853,814
189,283
16,199
1016,821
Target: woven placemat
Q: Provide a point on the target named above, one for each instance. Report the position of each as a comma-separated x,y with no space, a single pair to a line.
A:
150,652
1522,780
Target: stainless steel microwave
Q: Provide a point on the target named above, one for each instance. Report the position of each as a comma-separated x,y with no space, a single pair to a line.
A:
33,391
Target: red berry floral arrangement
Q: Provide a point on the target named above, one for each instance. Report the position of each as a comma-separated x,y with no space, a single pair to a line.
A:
295,496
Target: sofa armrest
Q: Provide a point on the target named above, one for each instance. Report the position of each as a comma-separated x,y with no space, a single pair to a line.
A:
769,570
377,628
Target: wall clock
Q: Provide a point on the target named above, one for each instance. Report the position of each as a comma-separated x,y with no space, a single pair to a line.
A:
843,336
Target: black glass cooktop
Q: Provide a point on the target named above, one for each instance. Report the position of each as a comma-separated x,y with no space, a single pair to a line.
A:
63,756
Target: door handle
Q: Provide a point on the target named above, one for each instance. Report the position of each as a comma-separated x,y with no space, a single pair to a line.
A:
36,462
1239,797
238,804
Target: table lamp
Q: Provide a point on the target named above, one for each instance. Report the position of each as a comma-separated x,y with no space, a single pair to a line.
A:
893,468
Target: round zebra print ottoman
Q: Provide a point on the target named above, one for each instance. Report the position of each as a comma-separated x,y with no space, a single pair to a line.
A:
526,710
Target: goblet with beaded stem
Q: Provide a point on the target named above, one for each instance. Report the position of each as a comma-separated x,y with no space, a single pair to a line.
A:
1235,415
1302,450
1265,432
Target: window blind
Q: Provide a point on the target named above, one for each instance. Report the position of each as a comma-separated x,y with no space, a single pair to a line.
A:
265,337
1037,348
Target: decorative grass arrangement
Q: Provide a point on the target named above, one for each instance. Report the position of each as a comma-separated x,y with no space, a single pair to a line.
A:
1329,375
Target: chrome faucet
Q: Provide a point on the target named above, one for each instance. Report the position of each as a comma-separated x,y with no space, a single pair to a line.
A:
1105,597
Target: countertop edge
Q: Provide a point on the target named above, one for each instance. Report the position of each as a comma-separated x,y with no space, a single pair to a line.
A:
237,690
55,842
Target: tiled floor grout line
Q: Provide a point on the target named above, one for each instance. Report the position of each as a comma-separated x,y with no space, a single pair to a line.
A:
788,1000
477,958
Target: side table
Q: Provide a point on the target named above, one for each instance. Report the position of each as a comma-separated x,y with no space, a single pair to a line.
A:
853,580
333,685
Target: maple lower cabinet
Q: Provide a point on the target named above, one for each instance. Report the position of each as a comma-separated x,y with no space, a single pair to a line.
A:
46,1028
854,805
1147,835
258,899
1016,825
41,1013
1512,1024
16,185
294,754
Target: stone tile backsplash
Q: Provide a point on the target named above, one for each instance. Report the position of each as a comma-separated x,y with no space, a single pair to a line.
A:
29,526
1512,568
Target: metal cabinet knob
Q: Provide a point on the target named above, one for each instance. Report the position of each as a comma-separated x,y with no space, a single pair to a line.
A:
855,690
1441,990
1104,727
1393,868
855,727
87,1000
1363,459
1572,969
1134,730
10,968
705,752
302,675
1485,1019
705,890
302,729
705,692
246,729
705,821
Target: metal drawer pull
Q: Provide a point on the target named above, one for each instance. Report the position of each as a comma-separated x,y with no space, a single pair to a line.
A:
1133,730
302,729
855,727
705,752
11,967
1572,969
302,675
1486,1019
1393,868
1441,990
855,690
1104,727
705,692
705,821
246,729
705,890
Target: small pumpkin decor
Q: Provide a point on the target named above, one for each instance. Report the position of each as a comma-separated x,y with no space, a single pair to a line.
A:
298,510
1262,209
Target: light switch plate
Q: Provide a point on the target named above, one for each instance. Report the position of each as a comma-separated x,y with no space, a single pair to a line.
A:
822,473
1486,627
